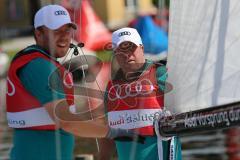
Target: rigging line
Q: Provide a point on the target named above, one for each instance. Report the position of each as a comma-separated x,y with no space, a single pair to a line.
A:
69,64
65,57
96,81
74,20
72,46
96,77
72,40
80,19
84,83
83,71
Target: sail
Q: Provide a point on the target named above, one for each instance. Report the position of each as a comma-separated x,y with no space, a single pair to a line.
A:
203,58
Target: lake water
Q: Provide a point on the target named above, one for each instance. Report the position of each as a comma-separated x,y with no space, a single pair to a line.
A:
221,145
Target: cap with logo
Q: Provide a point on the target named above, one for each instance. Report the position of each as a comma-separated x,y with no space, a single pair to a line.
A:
124,35
53,17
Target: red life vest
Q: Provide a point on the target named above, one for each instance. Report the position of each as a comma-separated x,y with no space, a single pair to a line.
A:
23,109
132,105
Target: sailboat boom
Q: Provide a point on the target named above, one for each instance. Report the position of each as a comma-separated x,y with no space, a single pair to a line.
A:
198,121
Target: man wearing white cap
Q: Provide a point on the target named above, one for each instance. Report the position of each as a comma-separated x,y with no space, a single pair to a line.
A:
35,134
135,96
30,98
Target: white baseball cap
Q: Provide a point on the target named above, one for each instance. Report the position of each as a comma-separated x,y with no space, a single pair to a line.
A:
53,17
124,35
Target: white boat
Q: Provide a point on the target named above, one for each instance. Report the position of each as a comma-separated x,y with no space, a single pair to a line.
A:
203,66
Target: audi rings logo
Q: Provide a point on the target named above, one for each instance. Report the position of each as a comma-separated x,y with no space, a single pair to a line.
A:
143,87
60,12
124,33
